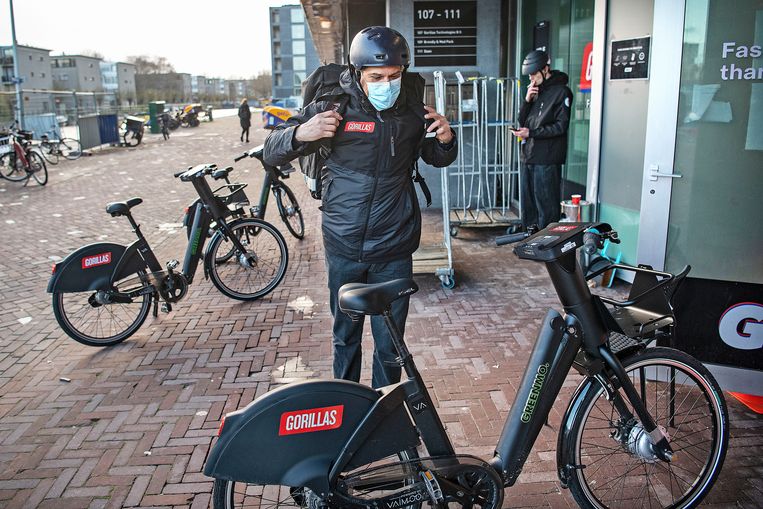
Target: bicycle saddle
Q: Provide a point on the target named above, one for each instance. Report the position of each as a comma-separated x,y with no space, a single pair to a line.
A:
373,299
120,208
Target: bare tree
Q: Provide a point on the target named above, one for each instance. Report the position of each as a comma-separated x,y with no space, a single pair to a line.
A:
262,84
93,53
145,64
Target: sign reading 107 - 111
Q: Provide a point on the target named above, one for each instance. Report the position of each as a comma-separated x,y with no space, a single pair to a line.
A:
444,34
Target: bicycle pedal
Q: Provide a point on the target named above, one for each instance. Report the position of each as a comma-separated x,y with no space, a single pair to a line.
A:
172,265
166,307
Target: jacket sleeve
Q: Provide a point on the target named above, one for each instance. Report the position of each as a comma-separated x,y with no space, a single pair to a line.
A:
437,154
561,119
524,112
281,147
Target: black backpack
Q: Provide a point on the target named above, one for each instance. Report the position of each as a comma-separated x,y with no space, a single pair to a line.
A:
323,85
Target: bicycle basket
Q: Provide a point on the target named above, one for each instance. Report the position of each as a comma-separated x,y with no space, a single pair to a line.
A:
25,135
5,145
133,123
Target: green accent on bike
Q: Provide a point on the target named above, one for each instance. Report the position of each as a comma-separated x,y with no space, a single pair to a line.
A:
195,241
532,399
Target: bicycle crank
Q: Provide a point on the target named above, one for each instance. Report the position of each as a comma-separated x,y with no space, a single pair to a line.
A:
464,480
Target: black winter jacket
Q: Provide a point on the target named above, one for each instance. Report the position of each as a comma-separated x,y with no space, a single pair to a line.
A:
370,209
548,118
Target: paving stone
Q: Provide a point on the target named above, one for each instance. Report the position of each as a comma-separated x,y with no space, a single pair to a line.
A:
84,443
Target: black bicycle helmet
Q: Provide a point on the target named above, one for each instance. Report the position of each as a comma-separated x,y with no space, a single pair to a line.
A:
534,62
379,46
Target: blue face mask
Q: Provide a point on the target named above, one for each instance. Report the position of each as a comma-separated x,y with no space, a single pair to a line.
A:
384,93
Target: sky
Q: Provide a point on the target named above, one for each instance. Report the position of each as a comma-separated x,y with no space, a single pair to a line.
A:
214,38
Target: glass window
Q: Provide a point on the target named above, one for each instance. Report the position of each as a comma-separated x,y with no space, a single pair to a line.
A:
719,144
298,31
298,47
299,63
297,15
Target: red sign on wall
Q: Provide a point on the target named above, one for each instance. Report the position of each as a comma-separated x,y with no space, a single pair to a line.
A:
585,71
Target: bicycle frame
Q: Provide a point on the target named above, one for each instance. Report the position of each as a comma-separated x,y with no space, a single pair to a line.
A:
579,340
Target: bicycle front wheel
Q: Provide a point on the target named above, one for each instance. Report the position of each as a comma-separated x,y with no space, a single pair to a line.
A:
131,139
290,212
104,317
612,455
70,148
252,274
50,152
11,168
37,168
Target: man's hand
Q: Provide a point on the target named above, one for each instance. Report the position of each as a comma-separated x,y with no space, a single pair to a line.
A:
522,132
439,126
532,92
322,125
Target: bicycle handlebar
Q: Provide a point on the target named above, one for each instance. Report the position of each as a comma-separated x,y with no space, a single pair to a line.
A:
511,239
242,156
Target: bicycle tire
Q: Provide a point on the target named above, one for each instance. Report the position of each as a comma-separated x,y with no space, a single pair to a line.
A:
70,148
290,212
238,277
622,449
11,169
50,152
131,139
90,330
37,168
233,495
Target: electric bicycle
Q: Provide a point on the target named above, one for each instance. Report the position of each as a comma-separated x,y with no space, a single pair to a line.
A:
647,426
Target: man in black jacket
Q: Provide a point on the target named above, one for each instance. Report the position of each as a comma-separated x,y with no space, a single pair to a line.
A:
371,221
544,119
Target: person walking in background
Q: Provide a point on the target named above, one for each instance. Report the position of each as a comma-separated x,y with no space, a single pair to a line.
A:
245,116
164,122
371,221
544,118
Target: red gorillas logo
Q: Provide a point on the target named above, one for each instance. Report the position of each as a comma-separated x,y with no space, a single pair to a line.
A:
359,127
314,419
89,262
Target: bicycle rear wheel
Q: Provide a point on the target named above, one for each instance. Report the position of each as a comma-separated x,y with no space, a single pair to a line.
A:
235,495
11,168
37,168
85,319
290,212
250,275
50,152
131,138
70,148
613,459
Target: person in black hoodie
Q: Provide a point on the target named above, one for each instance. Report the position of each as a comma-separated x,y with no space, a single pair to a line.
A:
371,222
544,118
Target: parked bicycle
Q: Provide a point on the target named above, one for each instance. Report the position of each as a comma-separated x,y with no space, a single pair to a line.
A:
19,161
102,292
132,129
53,149
646,427
238,203
288,207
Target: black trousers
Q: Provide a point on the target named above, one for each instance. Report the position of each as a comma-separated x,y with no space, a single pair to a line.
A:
541,194
244,131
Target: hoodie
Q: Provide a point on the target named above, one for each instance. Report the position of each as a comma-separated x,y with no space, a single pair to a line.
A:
548,118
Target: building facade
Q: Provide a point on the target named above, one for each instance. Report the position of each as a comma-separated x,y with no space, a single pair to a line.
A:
119,79
34,67
76,72
665,138
293,53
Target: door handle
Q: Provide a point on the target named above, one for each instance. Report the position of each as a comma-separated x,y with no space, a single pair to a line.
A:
654,173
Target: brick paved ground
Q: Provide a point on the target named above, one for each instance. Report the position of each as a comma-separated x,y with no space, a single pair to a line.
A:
133,425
